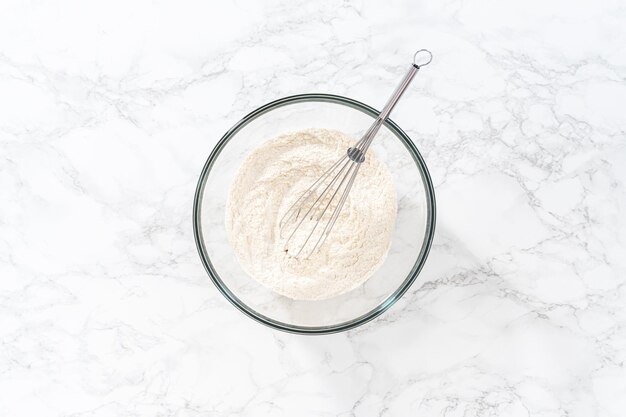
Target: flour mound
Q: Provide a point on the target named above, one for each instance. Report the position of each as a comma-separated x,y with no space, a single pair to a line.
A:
271,178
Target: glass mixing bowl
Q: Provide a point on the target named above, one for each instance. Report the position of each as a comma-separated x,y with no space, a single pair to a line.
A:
411,241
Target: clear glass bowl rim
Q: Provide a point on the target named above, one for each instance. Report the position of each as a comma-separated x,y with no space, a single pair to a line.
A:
393,297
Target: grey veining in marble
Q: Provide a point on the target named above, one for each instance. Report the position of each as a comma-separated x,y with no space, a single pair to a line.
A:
109,109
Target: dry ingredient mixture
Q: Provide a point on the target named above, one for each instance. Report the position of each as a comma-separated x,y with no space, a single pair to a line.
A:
271,178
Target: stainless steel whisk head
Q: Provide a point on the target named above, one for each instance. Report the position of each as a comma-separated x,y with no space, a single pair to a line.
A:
309,221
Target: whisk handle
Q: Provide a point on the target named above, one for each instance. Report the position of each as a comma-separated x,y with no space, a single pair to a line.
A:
424,56
397,94
357,152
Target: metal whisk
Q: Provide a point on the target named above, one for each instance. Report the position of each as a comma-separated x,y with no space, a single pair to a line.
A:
336,181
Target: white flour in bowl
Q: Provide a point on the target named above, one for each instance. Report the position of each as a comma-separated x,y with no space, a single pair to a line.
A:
271,178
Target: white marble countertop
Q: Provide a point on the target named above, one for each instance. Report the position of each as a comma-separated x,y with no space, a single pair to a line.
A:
108,111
